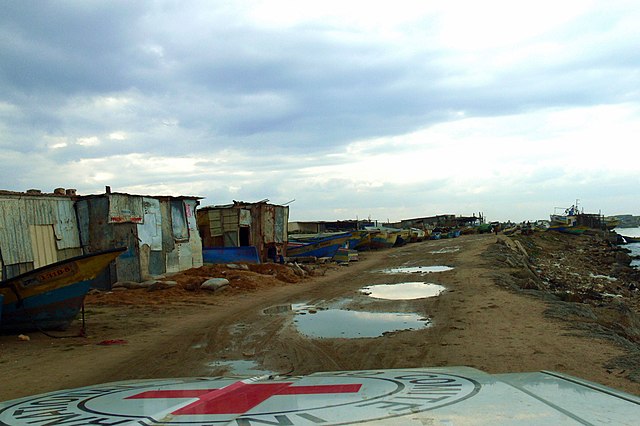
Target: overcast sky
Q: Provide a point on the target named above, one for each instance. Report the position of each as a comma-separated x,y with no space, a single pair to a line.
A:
354,109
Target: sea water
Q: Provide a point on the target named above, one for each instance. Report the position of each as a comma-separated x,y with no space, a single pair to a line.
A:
634,247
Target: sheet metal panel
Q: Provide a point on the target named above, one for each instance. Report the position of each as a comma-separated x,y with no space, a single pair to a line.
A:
150,231
168,242
194,236
66,225
125,208
179,225
82,213
282,219
15,240
172,260
43,243
128,263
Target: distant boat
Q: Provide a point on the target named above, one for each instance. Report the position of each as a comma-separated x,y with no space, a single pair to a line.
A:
323,247
630,240
611,222
567,222
50,297
382,237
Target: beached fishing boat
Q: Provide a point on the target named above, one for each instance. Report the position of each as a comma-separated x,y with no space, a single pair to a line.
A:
383,237
50,297
323,247
365,241
568,222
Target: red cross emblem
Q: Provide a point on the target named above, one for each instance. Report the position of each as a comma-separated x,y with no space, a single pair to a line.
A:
240,397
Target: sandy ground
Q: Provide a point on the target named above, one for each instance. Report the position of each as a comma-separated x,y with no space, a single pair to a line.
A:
477,322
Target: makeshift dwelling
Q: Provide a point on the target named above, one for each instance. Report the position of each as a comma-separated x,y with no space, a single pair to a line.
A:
36,229
160,234
260,225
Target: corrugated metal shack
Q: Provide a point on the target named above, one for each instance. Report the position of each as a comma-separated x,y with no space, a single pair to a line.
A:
243,224
36,229
159,231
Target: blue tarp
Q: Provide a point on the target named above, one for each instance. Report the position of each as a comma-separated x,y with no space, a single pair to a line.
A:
248,254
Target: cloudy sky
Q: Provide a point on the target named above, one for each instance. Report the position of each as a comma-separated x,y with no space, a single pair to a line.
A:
388,110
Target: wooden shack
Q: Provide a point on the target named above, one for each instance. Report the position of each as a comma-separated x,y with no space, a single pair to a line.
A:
260,225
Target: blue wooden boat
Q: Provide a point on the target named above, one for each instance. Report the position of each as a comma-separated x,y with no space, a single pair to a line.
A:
324,247
50,297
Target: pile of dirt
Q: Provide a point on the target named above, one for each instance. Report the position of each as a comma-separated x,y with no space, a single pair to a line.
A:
184,287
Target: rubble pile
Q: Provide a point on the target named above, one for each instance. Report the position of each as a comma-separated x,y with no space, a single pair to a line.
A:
587,281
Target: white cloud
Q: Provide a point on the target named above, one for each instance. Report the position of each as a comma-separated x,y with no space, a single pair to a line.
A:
118,136
88,141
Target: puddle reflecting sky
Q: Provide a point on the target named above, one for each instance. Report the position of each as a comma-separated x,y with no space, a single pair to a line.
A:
403,291
240,367
335,323
417,269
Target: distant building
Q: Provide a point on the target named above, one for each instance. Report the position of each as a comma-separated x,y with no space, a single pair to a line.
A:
160,233
318,227
242,224
36,229
443,220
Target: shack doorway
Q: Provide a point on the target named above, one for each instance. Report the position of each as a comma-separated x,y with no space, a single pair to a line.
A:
245,236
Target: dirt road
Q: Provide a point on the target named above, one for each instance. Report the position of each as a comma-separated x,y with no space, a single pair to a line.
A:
474,323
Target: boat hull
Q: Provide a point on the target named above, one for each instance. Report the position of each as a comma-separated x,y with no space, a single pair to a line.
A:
326,247
50,297
51,310
384,239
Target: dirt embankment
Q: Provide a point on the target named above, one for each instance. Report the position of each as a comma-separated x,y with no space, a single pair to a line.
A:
587,282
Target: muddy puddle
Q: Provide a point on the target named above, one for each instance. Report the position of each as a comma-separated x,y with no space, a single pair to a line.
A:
240,368
417,269
403,291
336,323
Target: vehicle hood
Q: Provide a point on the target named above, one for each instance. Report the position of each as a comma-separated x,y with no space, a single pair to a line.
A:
423,396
